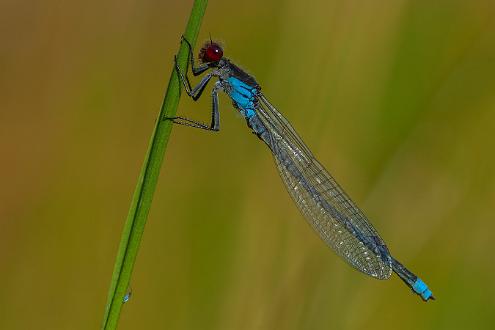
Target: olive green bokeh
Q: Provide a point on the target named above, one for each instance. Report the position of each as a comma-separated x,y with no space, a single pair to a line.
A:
396,98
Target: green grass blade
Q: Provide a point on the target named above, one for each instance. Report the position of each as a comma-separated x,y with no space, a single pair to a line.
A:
145,188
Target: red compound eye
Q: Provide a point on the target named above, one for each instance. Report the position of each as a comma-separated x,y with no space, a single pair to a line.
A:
211,52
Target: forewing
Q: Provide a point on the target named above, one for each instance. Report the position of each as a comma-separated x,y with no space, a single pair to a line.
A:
326,207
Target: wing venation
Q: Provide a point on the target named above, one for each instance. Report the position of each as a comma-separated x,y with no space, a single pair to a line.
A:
324,204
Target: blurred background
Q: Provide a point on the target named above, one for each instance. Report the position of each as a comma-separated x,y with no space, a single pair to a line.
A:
396,98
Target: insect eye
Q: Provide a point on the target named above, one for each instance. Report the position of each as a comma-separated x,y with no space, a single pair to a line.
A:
213,53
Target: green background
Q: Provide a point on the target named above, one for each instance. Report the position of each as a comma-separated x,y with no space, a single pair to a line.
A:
396,98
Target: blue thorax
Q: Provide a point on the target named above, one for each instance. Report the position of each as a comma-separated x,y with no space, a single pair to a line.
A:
243,96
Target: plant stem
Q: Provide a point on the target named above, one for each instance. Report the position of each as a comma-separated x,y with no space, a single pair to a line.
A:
145,188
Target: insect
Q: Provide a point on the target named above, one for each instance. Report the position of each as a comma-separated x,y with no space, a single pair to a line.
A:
324,204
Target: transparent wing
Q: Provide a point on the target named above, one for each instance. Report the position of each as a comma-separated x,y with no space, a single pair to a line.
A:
326,207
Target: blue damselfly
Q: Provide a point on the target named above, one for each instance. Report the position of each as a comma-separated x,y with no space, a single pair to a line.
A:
324,204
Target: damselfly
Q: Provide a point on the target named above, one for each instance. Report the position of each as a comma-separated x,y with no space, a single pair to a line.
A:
327,208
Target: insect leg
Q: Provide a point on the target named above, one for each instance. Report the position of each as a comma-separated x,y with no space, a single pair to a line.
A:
193,92
215,115
195,70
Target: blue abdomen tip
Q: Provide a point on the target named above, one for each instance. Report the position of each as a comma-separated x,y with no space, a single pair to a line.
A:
421,288
426,295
